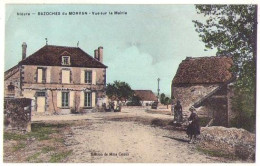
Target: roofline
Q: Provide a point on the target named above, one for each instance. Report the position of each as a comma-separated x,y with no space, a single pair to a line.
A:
19,63
201,101
11,68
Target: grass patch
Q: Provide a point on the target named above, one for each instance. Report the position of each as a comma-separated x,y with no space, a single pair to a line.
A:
19,146
40,131
57,157
14,136
47,149
34,156
217,153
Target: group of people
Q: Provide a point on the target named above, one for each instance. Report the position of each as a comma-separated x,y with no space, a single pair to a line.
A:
193,129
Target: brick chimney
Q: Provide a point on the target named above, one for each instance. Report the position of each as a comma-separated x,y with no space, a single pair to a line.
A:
96,54
100,54
24,46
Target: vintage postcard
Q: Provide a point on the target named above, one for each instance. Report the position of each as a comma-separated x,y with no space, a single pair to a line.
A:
121,83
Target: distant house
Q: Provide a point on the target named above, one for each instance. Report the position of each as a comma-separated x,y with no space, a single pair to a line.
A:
58,79
147,97
206,83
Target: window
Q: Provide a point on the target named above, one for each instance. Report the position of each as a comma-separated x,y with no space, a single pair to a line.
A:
87,99
65,99
40,94
88,77
65,60
41,75
65,76
10,88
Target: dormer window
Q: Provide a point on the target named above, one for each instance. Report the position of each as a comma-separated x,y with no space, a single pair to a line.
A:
65,60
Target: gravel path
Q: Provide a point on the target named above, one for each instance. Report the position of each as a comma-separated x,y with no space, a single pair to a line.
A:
120,142
96,138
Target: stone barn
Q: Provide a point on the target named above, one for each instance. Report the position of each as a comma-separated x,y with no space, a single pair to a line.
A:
206,83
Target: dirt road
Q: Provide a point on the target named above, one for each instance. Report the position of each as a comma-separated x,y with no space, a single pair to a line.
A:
112,137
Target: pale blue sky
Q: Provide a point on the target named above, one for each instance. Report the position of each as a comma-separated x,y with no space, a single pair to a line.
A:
147,43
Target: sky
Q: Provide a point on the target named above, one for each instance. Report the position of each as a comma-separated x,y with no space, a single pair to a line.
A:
147,43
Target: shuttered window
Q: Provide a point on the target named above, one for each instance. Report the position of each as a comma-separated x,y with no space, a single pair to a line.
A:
41,75
87,99
65,99
88,77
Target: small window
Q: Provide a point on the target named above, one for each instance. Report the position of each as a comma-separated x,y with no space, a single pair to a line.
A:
65,60
41,75
10,87
88,77
65,99
87,99
40,94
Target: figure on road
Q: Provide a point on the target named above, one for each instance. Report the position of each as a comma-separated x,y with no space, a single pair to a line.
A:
194,127
178,113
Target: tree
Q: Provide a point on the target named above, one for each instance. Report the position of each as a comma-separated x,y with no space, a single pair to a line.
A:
162,98
232,30
167,101
119,91
135,101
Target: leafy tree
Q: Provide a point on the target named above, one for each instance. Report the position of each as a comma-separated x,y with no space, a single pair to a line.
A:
232,30
167,101
135,101
119,91
162,98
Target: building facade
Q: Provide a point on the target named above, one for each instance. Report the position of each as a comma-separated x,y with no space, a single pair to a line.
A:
147,97
58,79
206,83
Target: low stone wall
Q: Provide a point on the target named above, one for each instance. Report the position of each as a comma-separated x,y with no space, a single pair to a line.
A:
17,114
238,142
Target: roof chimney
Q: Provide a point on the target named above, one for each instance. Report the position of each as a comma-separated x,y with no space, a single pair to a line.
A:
24,46
96,54
100,54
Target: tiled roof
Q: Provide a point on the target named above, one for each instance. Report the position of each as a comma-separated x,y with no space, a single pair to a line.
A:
145,95
50,55
204,70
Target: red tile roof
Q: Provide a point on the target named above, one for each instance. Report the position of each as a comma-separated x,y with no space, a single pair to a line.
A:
204,70
50,55
145,95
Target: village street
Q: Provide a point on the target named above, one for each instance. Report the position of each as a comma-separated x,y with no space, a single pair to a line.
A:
127,136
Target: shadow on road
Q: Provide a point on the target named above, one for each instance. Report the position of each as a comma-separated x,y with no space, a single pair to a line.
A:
177,139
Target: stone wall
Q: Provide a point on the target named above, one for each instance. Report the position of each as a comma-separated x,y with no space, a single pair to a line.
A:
17,114
12,77
190,94
237,142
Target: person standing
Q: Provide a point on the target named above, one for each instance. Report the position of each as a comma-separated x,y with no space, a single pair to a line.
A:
178,112
193,129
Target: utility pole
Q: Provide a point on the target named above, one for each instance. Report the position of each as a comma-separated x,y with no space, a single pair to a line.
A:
158,88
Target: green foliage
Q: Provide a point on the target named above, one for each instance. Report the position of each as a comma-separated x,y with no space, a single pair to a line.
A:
162,98
232,30
47,149
19,146
34,156
135,101
165,100
57,157
119,91
14,136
